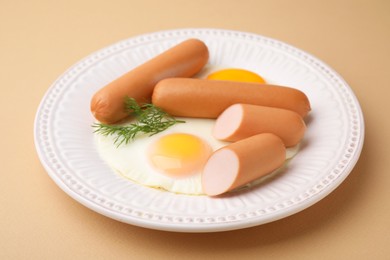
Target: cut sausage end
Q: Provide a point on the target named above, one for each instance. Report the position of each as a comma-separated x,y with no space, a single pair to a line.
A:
228,122
220,172
242,162
241,121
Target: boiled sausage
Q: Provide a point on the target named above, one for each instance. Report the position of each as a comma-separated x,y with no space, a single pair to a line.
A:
190,97
182,60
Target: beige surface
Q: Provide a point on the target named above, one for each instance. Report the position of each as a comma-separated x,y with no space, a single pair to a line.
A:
40,39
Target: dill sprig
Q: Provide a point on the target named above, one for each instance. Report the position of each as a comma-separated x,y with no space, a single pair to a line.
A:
149,119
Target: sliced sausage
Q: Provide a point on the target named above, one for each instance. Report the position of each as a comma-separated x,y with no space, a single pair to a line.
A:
240,121
242,162
208,98
182,60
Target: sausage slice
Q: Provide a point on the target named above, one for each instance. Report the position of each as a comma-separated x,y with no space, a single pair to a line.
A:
240,121
242,162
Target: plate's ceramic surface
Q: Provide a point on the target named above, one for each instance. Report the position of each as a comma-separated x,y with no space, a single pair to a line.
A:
330,149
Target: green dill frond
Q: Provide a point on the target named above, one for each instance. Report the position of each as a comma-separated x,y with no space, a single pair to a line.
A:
149,119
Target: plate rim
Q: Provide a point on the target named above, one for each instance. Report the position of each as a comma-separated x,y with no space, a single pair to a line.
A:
201,226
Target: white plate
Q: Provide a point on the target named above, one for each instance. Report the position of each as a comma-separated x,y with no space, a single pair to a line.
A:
330,149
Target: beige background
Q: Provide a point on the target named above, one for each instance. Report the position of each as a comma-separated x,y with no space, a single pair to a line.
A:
39,40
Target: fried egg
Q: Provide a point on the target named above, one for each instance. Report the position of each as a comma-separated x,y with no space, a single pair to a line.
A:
171,160
233,74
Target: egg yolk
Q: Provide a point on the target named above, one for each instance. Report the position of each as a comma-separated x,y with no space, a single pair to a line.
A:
179,155
236,75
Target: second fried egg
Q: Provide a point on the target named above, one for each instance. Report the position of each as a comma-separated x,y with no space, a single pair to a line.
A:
234,74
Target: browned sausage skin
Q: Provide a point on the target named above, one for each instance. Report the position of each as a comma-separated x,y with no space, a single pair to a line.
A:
183,60
190,97
242,162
